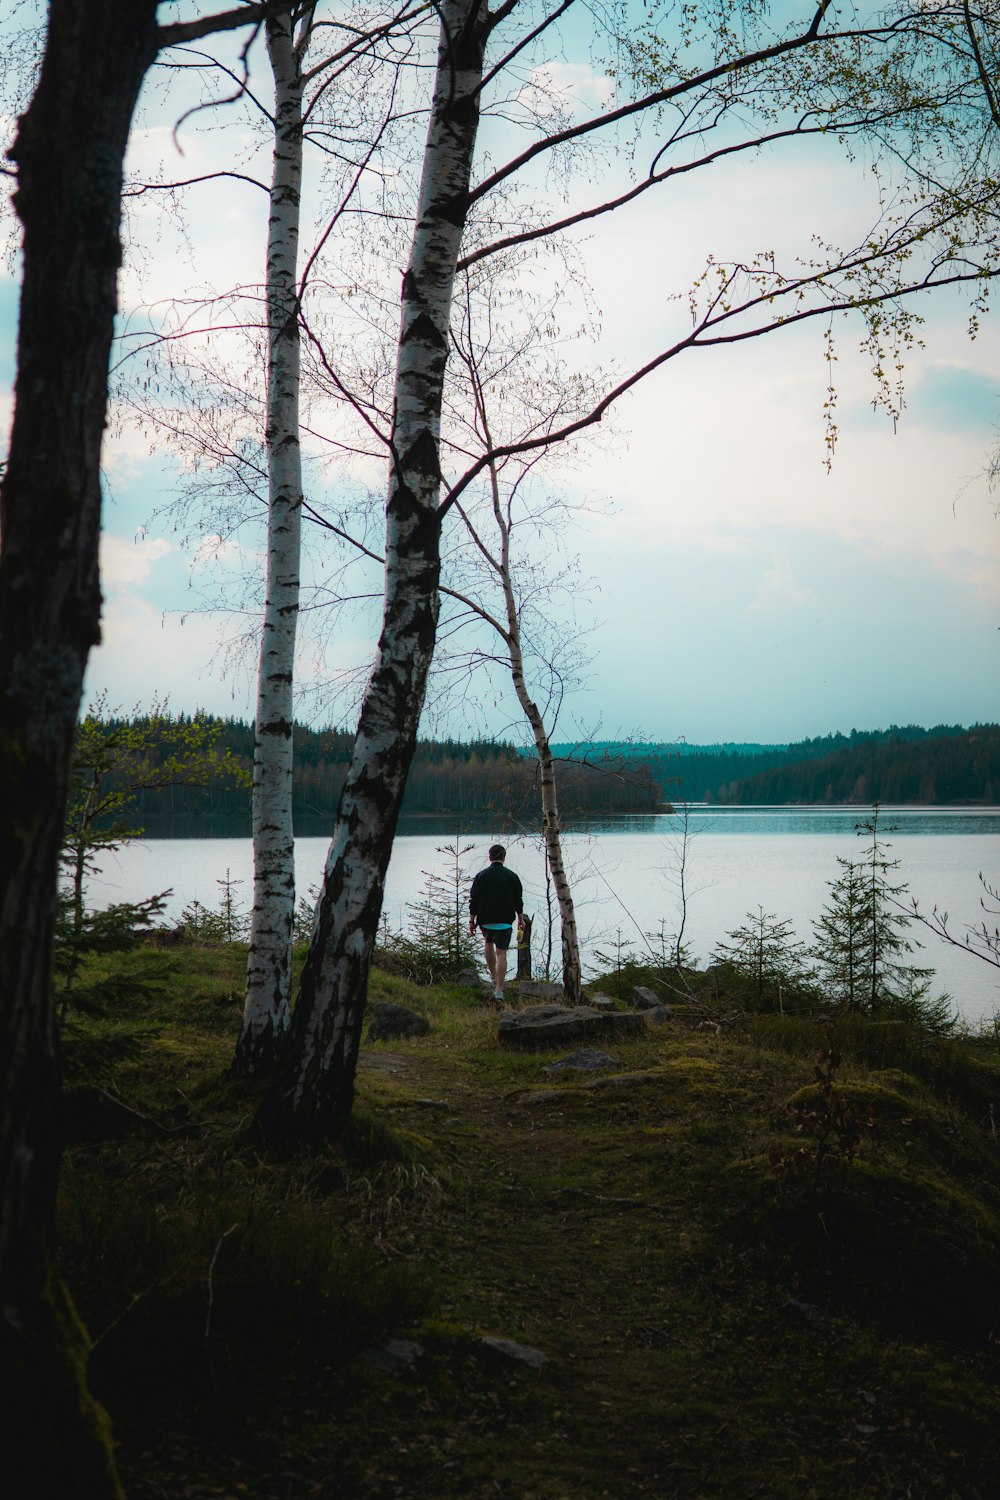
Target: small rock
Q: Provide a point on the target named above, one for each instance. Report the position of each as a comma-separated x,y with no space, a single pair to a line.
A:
624,1081
658,1014
521,1352
468,979
645,999
601,1002
587,1060
389,1020
394,1357
382,1062
807,1311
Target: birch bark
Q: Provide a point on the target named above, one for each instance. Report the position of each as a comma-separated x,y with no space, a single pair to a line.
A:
572,971
315,1083
266,1007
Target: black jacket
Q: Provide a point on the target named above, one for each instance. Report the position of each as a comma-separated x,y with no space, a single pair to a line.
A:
496,896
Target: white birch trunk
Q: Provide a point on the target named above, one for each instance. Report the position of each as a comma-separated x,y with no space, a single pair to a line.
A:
316,1081
572,970
266,1008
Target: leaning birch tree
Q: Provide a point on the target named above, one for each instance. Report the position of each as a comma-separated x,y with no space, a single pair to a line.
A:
499,560
543,394
68,156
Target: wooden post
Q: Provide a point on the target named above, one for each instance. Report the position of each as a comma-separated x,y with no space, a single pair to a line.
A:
524,951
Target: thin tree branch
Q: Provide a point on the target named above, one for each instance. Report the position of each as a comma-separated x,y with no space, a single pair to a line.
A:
696,340
666,95
166,187
228,20
984,77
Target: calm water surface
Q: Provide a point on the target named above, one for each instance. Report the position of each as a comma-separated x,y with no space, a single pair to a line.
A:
626,874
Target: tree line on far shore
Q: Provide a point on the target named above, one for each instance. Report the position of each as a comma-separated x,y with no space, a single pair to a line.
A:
492,780
498,781
902,764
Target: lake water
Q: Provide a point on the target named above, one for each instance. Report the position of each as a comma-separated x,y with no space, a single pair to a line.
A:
625,875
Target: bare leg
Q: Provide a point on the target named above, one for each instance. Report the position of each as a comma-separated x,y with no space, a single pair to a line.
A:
490,954
499,969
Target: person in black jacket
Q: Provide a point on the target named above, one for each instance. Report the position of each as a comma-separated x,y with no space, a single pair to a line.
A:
494,901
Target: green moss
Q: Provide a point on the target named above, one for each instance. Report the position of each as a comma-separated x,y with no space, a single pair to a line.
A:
715,1325
58,1437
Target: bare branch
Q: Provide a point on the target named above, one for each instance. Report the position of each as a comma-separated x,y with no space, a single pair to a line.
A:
228,20
984,77
699,337
167,187
730,69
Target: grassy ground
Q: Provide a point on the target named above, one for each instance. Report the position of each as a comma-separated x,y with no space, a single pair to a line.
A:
717,1319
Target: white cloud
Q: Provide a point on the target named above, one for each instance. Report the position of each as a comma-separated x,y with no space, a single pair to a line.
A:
778,589
224,554
563,84
167,655
730,546
127,565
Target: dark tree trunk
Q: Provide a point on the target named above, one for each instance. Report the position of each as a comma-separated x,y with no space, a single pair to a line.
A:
524,950
69,152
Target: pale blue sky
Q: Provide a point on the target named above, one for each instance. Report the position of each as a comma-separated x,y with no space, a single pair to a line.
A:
742,592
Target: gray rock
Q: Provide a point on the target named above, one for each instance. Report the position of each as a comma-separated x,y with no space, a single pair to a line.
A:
807,1311
658,1014
555,1025
382,1062
538,989
644,999
537,1098
587,1060
389,1020
521,1352
468,979
601,1002
624,1081
394,1357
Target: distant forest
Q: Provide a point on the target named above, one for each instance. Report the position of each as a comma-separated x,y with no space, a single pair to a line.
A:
495,782
901,764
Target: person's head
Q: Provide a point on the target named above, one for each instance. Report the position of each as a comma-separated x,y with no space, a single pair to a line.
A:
497,854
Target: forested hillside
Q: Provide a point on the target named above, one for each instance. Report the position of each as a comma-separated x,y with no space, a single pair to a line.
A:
959,767
491,780
904,763
498,782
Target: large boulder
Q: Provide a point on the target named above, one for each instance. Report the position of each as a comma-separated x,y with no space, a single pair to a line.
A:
389,1021
538,989
555,1025
655,1008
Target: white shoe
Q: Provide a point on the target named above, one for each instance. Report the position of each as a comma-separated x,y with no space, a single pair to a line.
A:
498,994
